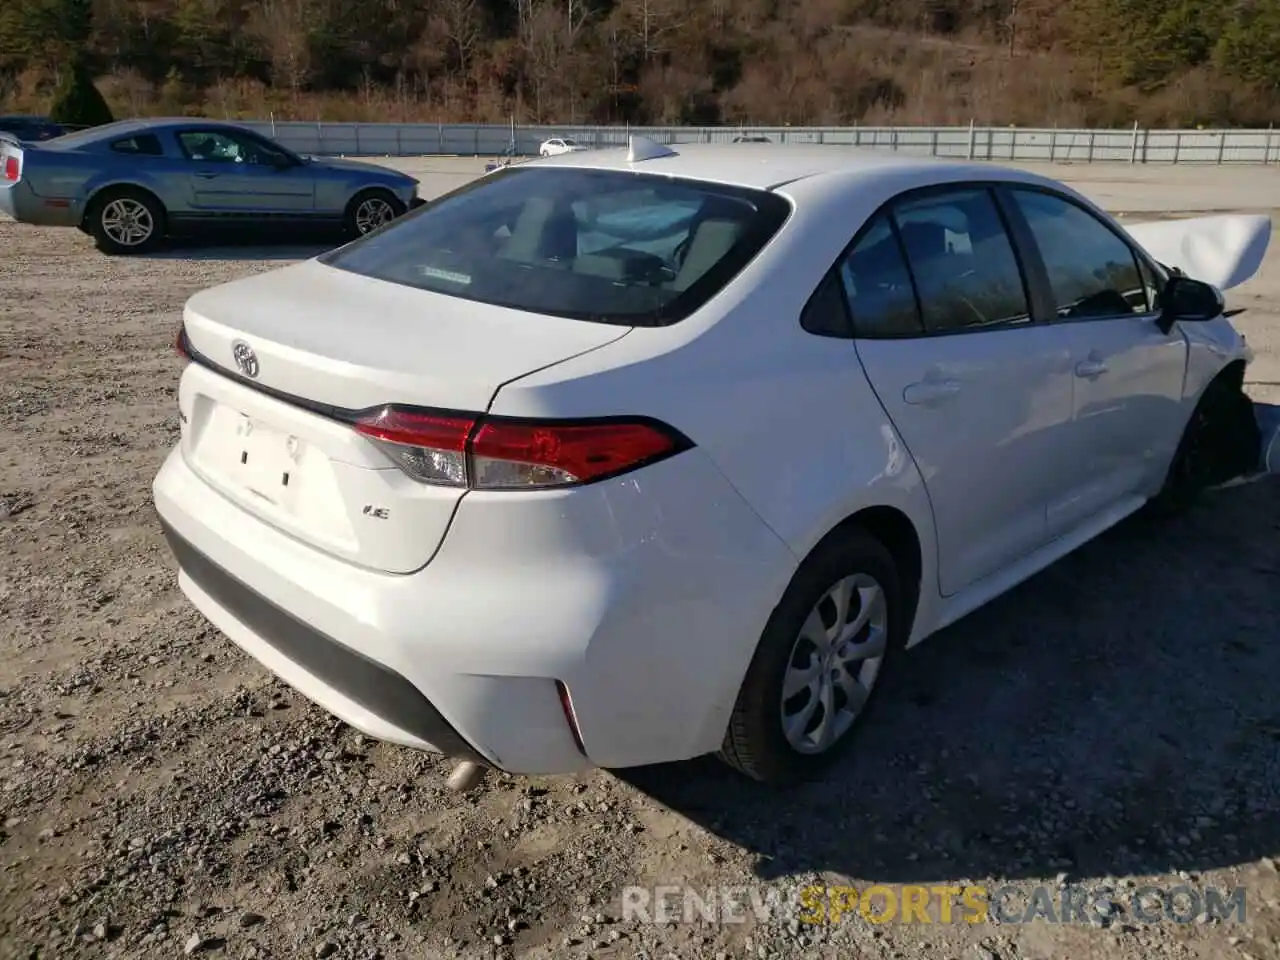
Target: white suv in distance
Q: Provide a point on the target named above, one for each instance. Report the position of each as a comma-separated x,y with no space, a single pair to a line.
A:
628,457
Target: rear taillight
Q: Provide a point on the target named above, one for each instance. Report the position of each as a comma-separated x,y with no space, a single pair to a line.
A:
427,446
180,343
11,168
499,453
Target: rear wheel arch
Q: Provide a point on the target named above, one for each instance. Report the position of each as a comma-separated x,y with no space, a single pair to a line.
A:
877,546
897,533
102,192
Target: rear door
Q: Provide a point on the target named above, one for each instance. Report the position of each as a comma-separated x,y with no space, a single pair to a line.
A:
1127,407
233,173
979,391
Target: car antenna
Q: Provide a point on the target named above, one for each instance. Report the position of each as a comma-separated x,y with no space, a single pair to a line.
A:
642,148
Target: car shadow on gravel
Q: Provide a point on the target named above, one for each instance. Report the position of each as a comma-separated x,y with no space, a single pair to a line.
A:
1117,714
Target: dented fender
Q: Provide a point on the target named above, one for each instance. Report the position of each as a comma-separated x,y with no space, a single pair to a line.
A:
1225,250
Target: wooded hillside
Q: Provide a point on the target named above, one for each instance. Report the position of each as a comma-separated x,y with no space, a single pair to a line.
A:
1030,62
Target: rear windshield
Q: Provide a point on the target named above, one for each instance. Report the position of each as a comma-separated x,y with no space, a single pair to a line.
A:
77,138
602,245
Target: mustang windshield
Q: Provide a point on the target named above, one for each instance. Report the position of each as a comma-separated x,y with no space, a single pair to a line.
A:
602,245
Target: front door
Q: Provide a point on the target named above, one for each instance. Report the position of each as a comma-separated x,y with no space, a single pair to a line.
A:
979,392
235,175
1127,409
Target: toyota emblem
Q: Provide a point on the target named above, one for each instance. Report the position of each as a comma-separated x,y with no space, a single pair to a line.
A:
245,358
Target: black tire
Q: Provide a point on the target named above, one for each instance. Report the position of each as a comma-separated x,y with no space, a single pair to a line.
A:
755,742
1220,442
353,221
133,198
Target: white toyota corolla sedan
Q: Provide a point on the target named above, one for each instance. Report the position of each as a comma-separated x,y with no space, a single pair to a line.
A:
630,456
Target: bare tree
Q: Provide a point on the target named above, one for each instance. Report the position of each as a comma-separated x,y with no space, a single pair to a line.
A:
542,45
282,27
524,16
461,22
651,23
577,14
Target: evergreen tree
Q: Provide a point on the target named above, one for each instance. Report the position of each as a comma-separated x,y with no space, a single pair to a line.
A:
77,101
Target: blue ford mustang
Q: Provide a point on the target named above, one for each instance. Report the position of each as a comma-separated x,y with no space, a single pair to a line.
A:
132,184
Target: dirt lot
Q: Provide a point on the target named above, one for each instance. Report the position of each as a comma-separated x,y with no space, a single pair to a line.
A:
1113,723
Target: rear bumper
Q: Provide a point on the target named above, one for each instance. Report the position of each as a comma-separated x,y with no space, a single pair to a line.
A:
644,597
380,691
19,201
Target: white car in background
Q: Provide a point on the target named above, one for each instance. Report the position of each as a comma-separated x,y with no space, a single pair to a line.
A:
558,146
630,456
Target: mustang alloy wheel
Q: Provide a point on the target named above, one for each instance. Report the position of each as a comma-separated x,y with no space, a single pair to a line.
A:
126,221
372,210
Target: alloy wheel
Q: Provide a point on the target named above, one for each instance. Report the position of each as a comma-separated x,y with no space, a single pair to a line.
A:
373,213
834,664
127,222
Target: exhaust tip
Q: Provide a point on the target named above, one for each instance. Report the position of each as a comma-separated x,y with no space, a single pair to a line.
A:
466,776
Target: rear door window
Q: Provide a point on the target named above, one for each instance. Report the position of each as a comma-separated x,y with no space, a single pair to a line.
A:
600,245
877,285
144,144
963,263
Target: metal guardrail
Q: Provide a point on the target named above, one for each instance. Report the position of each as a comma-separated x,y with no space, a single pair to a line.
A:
1131,146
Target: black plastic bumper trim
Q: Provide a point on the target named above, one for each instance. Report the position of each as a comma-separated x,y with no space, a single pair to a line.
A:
381,691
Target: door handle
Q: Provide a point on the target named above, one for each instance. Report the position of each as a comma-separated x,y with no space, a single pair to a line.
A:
929,393
206,176
1091,368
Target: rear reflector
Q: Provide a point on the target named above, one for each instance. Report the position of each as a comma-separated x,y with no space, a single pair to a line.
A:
11,168
498,453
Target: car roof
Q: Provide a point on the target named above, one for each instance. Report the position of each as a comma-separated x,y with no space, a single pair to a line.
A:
767,166
123,128
166,123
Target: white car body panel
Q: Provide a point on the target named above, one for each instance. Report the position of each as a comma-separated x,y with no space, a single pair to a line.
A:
646,594
569,582
1127,415
1224,250
1012,391
393,341
1211,347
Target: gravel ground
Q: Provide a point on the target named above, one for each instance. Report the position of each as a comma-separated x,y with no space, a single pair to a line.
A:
1112,723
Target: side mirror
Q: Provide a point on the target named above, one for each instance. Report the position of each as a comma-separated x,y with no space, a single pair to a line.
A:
1187,300
281,162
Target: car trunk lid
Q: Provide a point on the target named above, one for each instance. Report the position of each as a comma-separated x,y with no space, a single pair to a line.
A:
286,360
